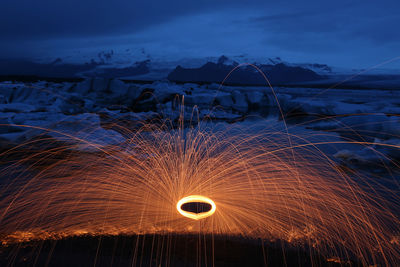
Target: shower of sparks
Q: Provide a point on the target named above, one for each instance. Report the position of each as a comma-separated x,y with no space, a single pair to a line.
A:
264,186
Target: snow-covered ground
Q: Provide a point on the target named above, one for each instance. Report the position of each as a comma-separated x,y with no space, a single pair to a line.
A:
86,113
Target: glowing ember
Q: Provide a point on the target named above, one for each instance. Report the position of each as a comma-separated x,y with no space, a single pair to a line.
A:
197,210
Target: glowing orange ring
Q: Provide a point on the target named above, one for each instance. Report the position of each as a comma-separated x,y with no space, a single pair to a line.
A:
196,198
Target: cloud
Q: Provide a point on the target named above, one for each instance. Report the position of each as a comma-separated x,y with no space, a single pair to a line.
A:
28,19
295,30
367,21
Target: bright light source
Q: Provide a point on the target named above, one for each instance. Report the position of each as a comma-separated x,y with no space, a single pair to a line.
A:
196,199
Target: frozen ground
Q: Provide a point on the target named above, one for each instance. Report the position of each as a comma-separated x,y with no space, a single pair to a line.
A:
357,129
97,112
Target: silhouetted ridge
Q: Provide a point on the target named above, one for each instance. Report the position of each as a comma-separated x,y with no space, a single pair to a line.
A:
216,72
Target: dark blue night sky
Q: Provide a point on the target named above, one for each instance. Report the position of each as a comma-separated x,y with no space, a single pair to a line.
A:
349,34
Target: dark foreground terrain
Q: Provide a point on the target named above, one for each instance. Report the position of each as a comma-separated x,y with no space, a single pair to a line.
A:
159,250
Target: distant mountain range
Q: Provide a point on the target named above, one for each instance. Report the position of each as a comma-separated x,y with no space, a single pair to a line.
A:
208,70
216,72
59,69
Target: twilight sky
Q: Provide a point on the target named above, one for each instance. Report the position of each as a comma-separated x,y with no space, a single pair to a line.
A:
343,33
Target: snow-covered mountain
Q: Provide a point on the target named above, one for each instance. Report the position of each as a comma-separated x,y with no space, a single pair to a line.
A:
134,65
